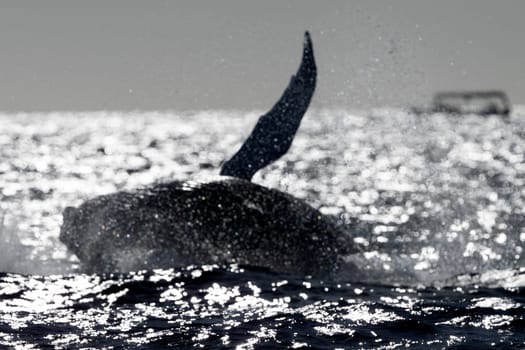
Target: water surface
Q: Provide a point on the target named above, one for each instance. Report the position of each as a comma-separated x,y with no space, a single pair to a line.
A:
433,202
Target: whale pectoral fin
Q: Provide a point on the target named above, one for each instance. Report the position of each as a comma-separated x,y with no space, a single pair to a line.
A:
274,132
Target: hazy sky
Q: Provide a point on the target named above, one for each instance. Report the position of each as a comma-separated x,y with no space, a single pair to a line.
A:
179,55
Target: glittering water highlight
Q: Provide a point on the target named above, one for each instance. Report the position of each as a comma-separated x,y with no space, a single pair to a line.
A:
241,308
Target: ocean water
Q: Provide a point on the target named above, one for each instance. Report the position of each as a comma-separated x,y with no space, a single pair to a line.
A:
434,204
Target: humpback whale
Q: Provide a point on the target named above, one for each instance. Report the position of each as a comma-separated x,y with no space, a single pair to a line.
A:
226,220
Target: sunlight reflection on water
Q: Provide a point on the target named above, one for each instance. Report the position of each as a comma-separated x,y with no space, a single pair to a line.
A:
425,198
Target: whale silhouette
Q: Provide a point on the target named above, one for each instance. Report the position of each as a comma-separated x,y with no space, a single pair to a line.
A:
225,220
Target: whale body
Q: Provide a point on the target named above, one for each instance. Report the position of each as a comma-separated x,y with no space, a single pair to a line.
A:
226,220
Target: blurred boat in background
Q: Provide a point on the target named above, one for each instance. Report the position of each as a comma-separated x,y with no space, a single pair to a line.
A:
492,102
